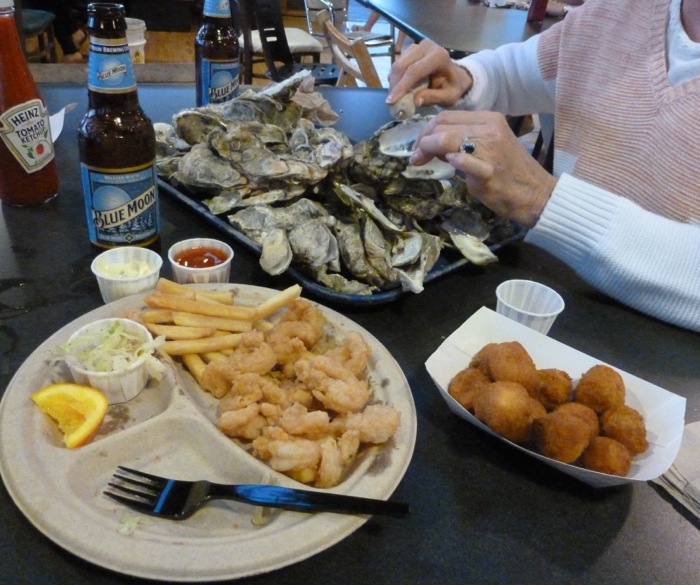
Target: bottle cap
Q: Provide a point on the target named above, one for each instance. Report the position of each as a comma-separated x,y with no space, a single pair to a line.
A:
7,3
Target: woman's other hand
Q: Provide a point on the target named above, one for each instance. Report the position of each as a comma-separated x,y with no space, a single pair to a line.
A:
500,172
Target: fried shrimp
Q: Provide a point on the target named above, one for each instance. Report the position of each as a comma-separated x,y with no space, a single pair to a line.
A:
245,423
336,457
375,424
303,311
353,353
298,397
299,421
252,355
245,389
336,387
294,454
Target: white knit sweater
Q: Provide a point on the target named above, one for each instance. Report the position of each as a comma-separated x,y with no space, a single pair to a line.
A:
625,213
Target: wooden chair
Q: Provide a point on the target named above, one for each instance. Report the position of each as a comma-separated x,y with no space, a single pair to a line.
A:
261,20
37,25
351,56
338,17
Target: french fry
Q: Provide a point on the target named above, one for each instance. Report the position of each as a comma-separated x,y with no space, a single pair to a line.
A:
223,323
195,365
276,302
201,326
156,316
170,287
175,303
263,325
203,345
179,332
212,356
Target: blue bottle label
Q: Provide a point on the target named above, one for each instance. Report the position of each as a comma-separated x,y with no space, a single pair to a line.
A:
219,81
217,8
121,205
110,69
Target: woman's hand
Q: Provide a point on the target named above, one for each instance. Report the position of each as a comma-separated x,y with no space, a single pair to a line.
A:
428,62
500,173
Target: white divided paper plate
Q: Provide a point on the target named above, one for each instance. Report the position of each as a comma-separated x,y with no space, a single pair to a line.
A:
168,429
663,411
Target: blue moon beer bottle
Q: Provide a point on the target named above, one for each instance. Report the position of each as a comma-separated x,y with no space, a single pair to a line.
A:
216,54
116,140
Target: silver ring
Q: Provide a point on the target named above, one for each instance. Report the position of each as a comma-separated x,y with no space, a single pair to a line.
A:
467,146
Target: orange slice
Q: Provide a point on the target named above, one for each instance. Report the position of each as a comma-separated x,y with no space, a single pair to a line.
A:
77,409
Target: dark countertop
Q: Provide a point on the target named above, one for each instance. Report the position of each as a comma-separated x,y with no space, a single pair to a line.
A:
480,511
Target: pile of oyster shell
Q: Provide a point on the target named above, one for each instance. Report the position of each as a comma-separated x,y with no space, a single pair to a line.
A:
357,218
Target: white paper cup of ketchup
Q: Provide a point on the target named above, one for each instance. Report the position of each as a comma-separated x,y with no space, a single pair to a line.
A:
200,260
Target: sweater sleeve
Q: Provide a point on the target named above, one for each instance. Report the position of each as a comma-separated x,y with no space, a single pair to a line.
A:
508,80
646,261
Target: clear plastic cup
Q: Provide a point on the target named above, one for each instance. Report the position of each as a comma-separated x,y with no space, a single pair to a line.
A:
530,303
125,271
188,274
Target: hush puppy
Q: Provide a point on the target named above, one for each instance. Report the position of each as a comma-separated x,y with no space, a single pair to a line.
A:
607,455
507,409
508,361
626,425
552,388
601,388
465,384
585,413
561,436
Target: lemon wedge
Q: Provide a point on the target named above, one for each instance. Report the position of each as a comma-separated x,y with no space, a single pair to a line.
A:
78,410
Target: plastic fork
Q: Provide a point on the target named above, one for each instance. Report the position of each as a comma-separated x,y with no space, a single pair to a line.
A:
177,499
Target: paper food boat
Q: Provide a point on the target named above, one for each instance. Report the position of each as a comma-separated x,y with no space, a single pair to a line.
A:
663,411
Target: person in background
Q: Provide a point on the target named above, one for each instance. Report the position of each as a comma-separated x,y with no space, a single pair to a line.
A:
69,34
622,207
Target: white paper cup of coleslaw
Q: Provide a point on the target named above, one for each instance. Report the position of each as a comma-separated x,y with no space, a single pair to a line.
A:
118,385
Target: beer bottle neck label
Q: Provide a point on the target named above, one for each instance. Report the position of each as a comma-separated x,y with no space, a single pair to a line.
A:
110,69
217,8
26,131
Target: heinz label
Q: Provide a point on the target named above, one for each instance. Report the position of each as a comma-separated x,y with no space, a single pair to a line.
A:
26,132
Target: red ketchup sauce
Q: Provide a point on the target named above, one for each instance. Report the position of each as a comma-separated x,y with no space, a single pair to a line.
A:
201,257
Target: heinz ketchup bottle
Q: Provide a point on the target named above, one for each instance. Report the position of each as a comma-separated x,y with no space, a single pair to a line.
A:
28,174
